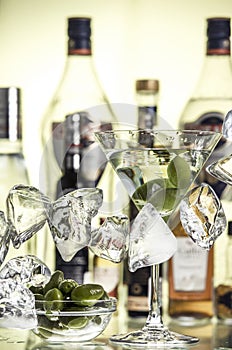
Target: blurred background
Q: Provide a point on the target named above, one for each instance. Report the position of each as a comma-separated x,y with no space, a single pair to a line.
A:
132,39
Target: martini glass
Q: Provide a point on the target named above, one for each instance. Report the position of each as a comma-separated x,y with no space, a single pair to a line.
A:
156,167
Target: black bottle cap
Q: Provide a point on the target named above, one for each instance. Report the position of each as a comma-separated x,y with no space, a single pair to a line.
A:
10,113
218,33
218,27
79,32
229,228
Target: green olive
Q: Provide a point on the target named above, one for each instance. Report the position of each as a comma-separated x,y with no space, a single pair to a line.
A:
159,192
78,322
56,278
105,296
179,172
44,333
87,294
97,319
66,286
53,300
36,290
38,300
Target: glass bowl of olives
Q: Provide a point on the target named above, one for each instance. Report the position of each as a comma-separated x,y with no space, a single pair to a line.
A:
67,311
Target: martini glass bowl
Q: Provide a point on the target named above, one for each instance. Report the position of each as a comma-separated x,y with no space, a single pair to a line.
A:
156,167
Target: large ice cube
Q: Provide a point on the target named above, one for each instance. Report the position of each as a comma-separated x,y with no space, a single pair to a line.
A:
202,215
151,241
4,237
27,270
27,210
227,126
110,240
70,220
17,305
222,169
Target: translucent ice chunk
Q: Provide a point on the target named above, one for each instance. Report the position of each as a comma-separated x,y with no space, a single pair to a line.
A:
227,126
222,169
4,237
27,270
17,305
70,220
27,210
202,215
151,241
110,241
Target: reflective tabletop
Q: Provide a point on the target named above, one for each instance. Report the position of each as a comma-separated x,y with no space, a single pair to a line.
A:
212,336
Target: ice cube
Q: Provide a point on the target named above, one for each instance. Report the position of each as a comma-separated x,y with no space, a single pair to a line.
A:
70,220
4,237
151,241
222,169
27,270
17,305
202,215
110,240
27,210
227,126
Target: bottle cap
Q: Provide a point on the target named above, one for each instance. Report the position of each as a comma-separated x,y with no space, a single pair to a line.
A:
218,32
218,27
147,85
10,113
79,32
229,228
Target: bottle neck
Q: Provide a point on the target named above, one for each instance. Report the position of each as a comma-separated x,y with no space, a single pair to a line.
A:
147,109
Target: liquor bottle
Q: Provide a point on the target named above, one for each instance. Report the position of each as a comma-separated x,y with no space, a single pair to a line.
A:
205,110
12,163
75,142
223,292
212,98
190,277
79,90
147,95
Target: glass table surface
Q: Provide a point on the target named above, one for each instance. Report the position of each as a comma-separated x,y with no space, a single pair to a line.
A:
215,336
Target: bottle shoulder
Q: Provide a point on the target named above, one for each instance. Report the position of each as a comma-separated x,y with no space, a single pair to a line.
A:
79,89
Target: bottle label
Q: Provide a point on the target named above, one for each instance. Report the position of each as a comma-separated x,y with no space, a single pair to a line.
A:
189,266
108,277
139,304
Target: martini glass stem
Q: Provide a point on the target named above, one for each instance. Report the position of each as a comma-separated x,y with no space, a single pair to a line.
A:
154,319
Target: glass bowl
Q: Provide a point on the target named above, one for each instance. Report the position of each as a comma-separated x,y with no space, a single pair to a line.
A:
64,321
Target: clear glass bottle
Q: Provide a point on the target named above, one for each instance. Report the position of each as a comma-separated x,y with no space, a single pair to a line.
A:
147,96
79,90
206,109
212,97
13,169
223,292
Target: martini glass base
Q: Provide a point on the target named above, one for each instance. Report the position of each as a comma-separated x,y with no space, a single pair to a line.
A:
153,338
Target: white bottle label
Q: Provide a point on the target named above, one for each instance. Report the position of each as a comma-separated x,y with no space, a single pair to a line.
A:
189,266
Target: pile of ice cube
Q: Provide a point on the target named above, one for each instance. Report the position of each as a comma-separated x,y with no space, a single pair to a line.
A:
17,302
147,241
